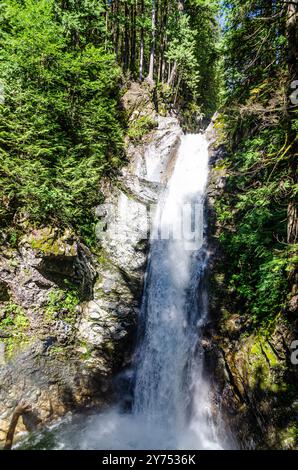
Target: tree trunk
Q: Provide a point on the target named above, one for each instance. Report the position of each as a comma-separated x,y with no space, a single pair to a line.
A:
19,410
107,26
169,71
126,38
141,68
292,217
163,41
292,37
117,31
172,75
177,90
133,37
292,223
152,52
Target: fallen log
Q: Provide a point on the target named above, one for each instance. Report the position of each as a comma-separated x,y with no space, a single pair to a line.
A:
21,408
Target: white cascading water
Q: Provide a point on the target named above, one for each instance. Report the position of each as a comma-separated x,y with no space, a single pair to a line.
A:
171,408
171,396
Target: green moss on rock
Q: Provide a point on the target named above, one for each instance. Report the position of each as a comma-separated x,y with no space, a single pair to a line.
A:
62,302
14,326
140,127
50,243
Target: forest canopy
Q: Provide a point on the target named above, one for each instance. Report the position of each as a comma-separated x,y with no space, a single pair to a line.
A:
63,68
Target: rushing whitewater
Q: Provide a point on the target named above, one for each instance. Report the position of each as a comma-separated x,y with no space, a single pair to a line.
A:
171,396
171,408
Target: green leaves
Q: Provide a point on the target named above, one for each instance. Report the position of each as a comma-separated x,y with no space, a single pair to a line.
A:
201,50
252,214
254,43
59,123
182,50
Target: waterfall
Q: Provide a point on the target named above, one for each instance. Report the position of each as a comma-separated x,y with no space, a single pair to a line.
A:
171,396
171,407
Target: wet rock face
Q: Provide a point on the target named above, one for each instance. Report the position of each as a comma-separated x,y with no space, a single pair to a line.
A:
68,317
50,384
158,156
254,380
38,327
45,259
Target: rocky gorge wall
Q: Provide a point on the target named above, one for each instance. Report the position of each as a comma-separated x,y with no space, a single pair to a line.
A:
68,316
254,381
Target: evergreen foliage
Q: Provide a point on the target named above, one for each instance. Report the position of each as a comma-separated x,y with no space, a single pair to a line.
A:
170,42
60,129
258,209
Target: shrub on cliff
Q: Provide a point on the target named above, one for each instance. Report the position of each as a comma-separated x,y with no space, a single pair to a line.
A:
60,130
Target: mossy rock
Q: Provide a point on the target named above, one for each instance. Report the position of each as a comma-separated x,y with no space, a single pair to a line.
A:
265,367
141,127
289,436
50,242
14,326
